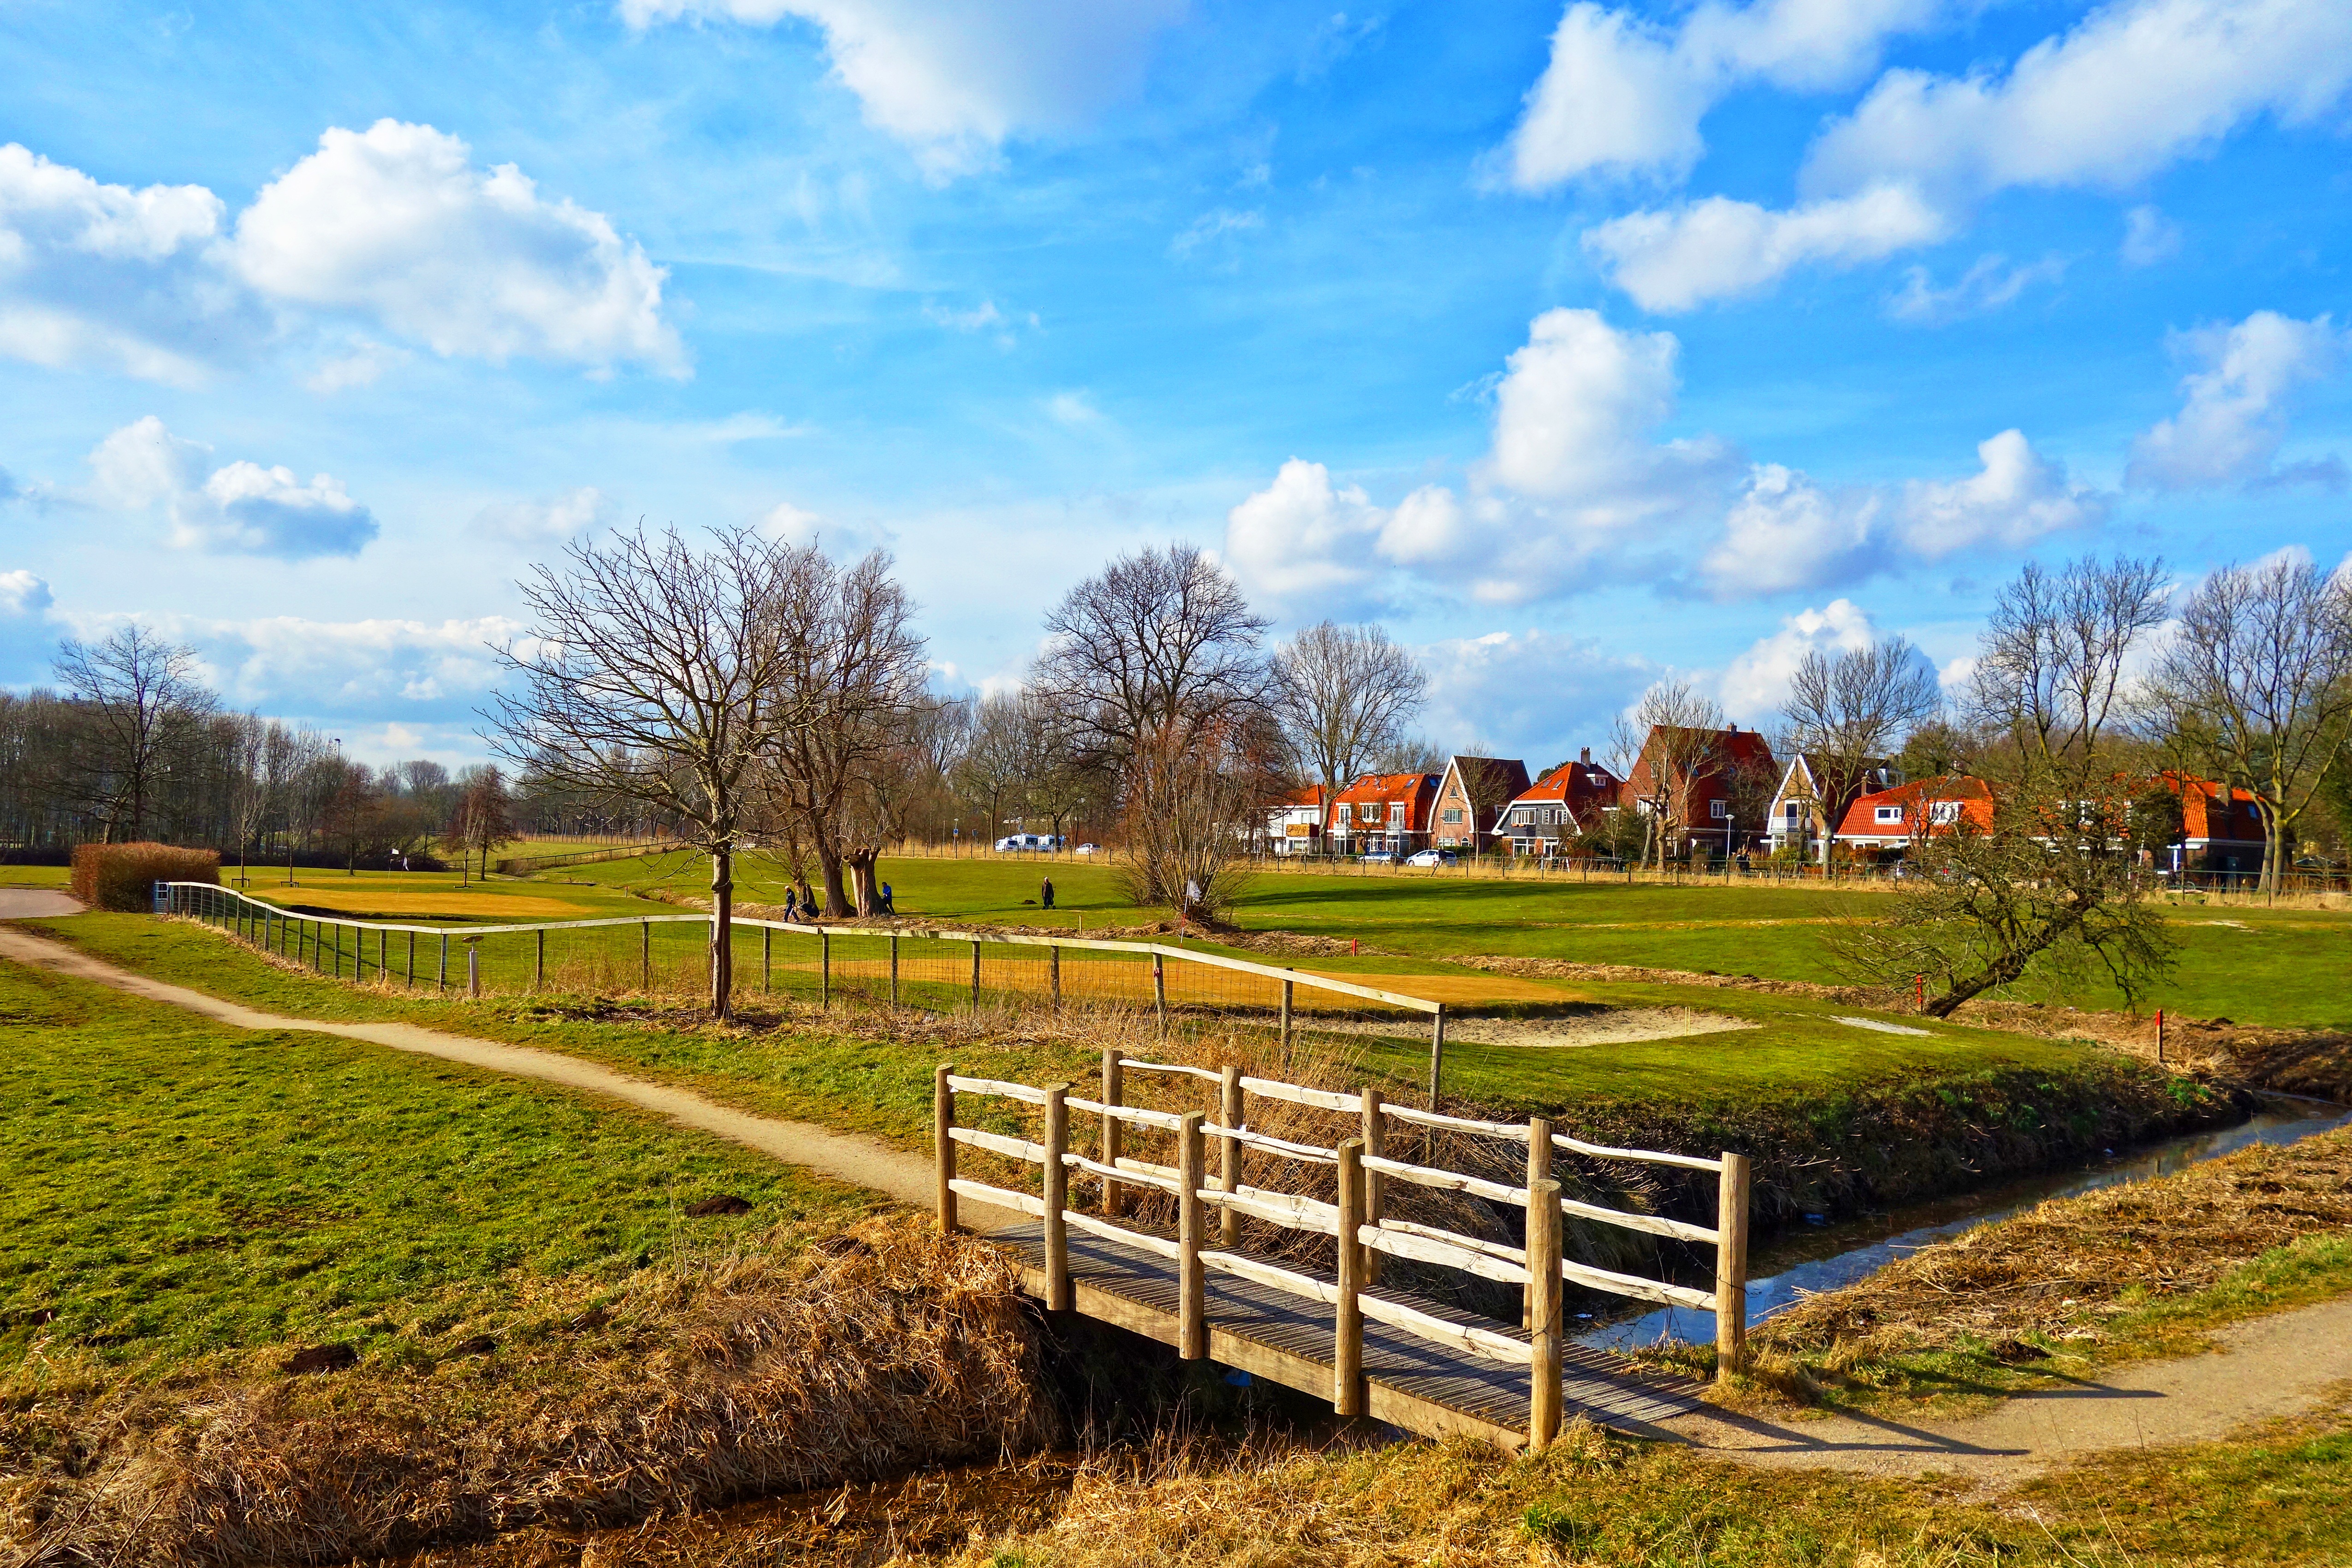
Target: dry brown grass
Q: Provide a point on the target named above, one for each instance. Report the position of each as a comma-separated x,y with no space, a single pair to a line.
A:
883,1349
2064,1268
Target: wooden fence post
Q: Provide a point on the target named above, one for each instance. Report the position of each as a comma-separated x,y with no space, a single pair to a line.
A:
1348,1319
767,958
1192,1283
975,980
1436,1055
473,968
1287,987
894,968
539,970
412,960
1376,1186
1229,1154
1538,1169
943,1148
824,969
646,954
1159,991
1054,975
1731,1269
443,977
1057,1198
1114,1131
1543,1305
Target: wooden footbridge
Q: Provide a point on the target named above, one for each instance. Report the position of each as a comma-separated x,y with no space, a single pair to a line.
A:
1338,1332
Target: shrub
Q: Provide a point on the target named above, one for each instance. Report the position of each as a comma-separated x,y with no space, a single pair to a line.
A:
124,876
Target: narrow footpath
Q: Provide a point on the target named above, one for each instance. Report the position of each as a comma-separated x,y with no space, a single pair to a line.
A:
2274,1367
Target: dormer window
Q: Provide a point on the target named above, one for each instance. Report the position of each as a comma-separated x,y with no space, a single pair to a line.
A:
1890,815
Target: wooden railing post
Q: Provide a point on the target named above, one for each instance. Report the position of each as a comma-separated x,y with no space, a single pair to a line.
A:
442,980
539,968
1192,1283
1436,1055
473,965
1538,1169
1376,1186
1543,1307
824,968
894,968
646,954
767,958
1054,975
1288,987
1229,1157
412,961
1731,1269
975,980
1159,991
1057,1198
1348,1320
943,1147
1114,1131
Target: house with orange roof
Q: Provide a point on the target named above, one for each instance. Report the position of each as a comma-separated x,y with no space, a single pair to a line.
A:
1691,776
1892,819
1565,801
2220,827
1383,813
1294,824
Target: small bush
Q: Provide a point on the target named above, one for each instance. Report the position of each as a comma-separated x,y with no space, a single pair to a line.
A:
124,876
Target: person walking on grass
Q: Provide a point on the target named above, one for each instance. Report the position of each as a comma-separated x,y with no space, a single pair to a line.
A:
792,904
889,905
1045,892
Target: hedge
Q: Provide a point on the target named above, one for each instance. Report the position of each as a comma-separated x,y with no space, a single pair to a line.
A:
124,876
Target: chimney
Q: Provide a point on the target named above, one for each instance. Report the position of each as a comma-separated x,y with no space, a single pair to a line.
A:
1585,756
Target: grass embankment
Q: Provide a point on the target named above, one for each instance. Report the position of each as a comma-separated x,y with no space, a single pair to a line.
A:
512,1312
2122,1274
1814,1100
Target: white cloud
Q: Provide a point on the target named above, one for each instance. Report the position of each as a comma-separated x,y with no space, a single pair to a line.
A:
242,508
361,367
396,223
547,522
2232,417
1678,260
1988,285
1533,694
1221,224
953,79
1075,411
2148,236
841,540
985,314
101,275
1787,532
2132,89
23,594
1575,470
1756,683
1623,96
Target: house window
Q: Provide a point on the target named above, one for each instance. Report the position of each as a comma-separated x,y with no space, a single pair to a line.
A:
1890,813
1453,816
1945,812
1719,810
1790,813
1396,812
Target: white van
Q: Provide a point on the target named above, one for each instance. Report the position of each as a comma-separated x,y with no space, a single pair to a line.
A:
1036,843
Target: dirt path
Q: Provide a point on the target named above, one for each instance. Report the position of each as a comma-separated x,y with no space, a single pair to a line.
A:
2273,1366
907,1178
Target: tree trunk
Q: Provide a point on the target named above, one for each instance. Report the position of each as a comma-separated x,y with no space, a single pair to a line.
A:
723,931
837,894
861,880
2004,970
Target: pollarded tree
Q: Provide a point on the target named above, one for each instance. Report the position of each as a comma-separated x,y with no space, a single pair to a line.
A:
659,674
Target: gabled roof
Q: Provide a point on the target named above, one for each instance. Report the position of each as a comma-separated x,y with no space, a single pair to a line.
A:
1387,786
1568,784
1974,795
1744,748
2210,810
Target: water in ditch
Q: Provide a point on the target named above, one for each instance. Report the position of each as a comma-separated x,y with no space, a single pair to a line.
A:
1821,1258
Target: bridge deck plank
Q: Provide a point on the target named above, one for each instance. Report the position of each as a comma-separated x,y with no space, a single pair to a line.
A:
1491,1396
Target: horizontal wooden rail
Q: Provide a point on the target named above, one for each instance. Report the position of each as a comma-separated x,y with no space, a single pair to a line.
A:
1449,1181
1175,1068
1259,1271
1004,1196
1126,1171
1444,1254
1515,1131
1299,1094
1277,1209
993,1086
1688,1162
1158,1246
1654,1225
1634,1285
998,1143
1165,1120
1310,1153
1476,1342
1128,1164
1503,1250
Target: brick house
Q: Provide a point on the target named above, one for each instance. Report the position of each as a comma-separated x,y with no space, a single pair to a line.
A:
1889,819
1471,796
1294,824
1704,769
2220,828
1382,812
1565,801
1801,812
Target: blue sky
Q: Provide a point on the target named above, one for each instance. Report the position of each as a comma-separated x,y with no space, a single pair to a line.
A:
1577,345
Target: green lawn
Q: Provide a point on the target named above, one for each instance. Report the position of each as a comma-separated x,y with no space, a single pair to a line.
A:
172,1187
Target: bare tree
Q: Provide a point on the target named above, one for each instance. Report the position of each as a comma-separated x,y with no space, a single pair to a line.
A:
140,692
1666,749
482,817
1158,638
1402,754
2257,685
257,752
1343,695
854,676
660,674
1194,793
2050,672
1848,712
1056,783
994,771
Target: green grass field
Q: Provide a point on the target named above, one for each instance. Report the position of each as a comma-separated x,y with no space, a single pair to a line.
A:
171,1187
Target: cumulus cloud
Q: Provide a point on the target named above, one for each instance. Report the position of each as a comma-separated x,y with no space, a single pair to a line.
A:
1988,285
841,540
23,594
411,670
103,275
1575,470
1755,684
1528,693
396,223
1623,96
393,226
1787,532
242,508
953,79
549,521
2234,405
1680,258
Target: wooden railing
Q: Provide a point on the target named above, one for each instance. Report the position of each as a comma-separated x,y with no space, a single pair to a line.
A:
1358,1222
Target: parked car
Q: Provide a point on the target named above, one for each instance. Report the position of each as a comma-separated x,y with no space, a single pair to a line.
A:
1027,844
1431,857
1087,849
1379,857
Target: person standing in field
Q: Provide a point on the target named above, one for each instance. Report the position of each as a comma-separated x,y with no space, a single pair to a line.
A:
1045,892
792,904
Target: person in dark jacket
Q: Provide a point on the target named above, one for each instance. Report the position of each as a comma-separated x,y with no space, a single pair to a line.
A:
1045,892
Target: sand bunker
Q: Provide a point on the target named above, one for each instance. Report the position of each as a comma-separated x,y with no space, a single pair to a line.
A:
1586,1026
